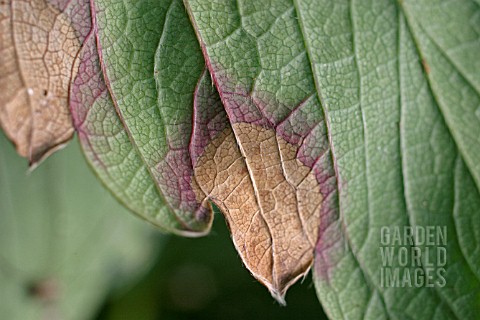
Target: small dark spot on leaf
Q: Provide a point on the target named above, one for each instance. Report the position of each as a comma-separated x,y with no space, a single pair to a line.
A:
45,290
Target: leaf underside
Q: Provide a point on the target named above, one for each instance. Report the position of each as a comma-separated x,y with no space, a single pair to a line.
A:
139,144
310,124
384,109
39,42
274,225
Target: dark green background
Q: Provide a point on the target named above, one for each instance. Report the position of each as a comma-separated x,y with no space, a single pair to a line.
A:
204,278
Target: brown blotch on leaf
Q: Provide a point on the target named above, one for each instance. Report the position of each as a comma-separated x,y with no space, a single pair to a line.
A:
426,67
270,199
44,290
39,46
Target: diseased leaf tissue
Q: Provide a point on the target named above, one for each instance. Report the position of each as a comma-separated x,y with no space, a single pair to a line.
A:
293,117
39,43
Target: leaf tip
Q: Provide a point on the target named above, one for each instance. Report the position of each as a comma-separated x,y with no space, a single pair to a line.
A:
35,159
279,296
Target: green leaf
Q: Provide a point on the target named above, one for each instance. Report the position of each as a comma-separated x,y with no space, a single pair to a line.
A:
453,64
65,243
135,118
160,139
380,99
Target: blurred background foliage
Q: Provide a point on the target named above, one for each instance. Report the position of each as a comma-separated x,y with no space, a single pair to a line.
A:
204,278
68,250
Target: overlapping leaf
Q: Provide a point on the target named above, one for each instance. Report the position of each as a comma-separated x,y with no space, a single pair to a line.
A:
390,145
265,194
332,120
265,174
135,119
39,41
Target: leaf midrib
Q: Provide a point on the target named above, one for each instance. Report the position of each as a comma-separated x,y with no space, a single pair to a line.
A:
221,94
366,277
